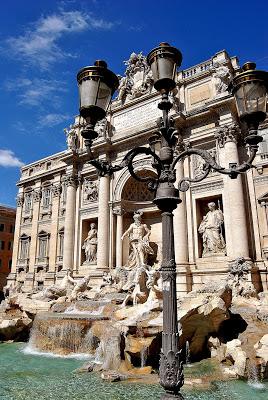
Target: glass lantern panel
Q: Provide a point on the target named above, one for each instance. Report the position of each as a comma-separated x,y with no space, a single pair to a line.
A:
104,96
88,90
250,98
163,68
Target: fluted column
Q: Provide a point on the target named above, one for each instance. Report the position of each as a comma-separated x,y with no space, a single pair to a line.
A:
180,224
233,188
56,192
37,195
103,223
69,224
119,232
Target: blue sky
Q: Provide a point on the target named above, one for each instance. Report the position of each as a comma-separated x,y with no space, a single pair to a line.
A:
44,43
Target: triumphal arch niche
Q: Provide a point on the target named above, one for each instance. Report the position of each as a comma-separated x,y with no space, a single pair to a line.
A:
131,196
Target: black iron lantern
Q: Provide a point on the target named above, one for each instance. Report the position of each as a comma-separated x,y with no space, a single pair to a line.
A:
164,61
97,85
250,91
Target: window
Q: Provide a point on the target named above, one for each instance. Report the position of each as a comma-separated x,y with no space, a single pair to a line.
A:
0,262
43,239
12,229
9,264
24,247
10,245
28,202
2,227
2,245
63,193
46,197
60,245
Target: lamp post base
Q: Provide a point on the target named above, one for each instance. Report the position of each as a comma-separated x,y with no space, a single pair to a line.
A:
170,396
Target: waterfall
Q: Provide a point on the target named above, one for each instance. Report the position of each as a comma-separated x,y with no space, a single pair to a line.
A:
144,349
187,353
62,336
253,377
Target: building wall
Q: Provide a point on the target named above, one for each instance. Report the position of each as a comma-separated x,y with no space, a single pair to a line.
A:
7,226
61,195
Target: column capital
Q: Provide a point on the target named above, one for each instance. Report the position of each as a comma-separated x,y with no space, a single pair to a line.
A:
118,210
71,180
227,133
20,200
37,195
56,190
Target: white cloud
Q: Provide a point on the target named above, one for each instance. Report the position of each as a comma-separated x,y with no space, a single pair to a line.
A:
33,92
39,45
51,120
8,159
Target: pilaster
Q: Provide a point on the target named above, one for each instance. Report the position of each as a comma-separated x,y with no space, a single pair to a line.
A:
17,232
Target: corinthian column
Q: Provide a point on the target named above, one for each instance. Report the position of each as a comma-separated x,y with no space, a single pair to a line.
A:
233,191
69,224
56,192
103,223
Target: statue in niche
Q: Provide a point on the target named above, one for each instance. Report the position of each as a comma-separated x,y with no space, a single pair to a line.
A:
138,234
211,231
71,138
221,77
90,191
90,244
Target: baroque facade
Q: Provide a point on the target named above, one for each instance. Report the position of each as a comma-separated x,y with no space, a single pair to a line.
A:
68,217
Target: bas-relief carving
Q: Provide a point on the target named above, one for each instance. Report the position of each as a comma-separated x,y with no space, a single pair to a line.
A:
198,163
211,231
90,192
90,244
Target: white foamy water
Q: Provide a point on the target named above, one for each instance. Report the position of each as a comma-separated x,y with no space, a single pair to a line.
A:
76,311
30,350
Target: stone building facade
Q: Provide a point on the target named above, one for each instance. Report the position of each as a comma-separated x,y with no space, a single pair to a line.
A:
61,196
7,226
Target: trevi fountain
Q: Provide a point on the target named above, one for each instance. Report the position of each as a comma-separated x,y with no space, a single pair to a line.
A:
79,337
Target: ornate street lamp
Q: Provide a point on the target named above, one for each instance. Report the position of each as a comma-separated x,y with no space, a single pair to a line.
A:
249,88
97,85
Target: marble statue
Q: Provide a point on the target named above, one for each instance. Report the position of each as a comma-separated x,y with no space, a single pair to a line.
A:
80,287
55,291
90,244
138,234
211,231
70,138
138,291
221,77
239,278
138,78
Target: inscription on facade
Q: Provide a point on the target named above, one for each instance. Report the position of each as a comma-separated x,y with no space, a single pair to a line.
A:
139,117
200,93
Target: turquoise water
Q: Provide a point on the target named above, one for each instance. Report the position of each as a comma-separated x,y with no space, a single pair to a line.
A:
35,377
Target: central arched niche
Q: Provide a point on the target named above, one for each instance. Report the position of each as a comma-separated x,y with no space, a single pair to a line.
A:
136,195
138,191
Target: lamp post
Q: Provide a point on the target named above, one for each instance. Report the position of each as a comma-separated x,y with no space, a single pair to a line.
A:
97,85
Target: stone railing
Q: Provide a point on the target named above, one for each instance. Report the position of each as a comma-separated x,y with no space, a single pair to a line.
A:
197,69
